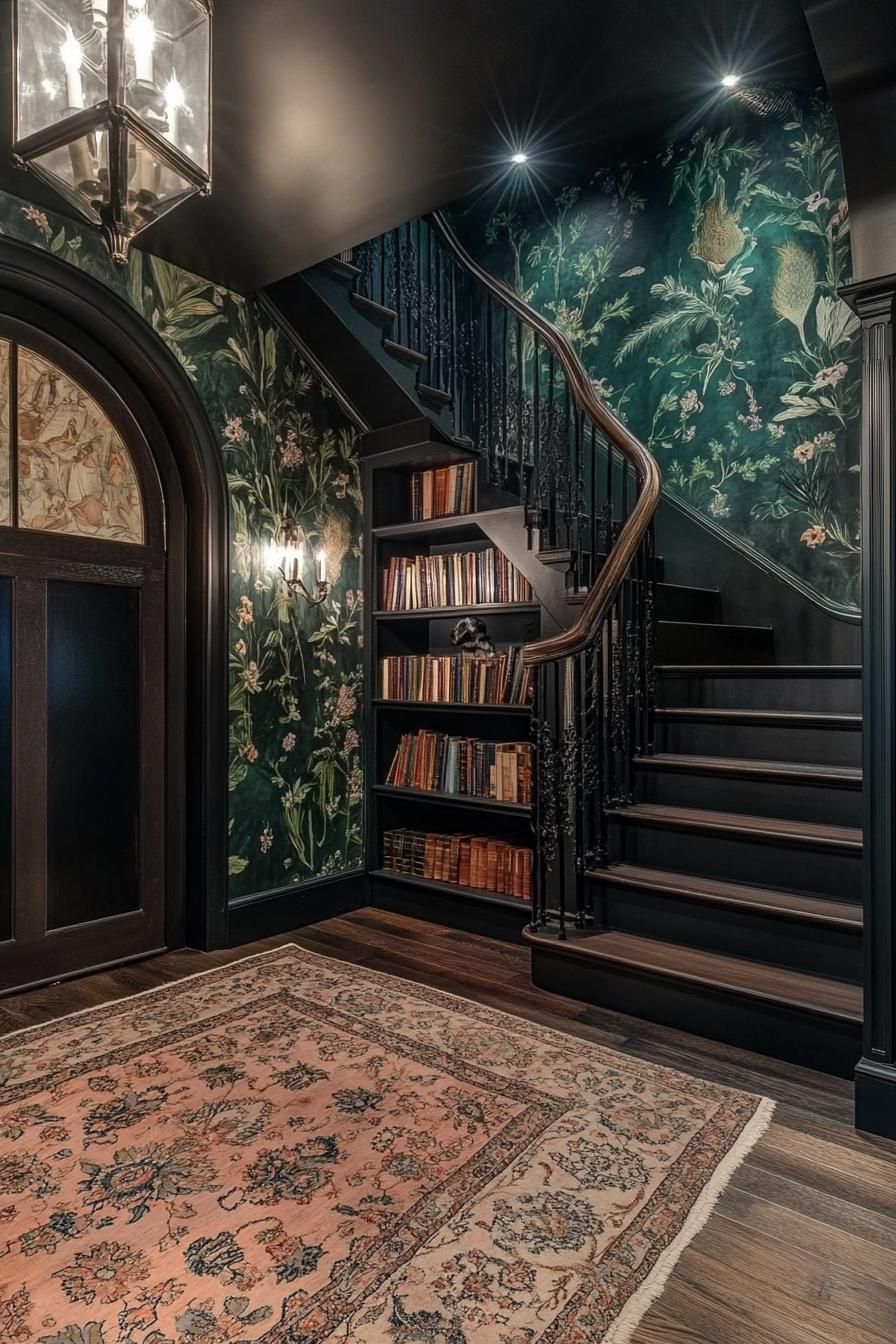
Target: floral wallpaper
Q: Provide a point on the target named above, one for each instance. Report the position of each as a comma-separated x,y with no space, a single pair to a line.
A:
296,794
700,289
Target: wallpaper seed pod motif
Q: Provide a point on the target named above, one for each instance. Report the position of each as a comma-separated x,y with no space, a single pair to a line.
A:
718,237
794,287
296,797
700,289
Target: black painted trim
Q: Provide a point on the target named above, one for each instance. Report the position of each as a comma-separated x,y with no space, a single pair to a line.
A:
285,908
280,320
79,310
875,303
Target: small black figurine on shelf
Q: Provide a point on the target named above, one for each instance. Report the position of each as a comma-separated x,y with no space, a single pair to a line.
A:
470,633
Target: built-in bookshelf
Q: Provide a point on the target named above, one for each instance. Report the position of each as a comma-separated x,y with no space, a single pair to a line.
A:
448,749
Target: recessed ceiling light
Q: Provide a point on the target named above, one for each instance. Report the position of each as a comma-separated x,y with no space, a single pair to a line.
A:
729,81
519,157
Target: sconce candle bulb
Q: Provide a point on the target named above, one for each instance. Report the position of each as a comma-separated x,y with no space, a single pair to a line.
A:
285,555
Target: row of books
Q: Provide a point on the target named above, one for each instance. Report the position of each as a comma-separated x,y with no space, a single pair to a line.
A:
414,582
466,679
463,860
441,492
436,762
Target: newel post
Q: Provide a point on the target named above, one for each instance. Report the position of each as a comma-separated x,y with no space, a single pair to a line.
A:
875,303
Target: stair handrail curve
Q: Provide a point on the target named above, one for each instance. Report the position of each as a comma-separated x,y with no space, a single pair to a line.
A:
601,595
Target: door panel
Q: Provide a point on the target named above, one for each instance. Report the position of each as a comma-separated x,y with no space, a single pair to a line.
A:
93,752
88,763
5,758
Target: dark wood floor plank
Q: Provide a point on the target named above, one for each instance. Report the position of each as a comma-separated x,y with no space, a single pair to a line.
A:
814,1278
764,1217
824,1208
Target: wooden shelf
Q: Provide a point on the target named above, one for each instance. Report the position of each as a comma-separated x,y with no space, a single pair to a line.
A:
454,522
454,799
450,889
451,706
429,613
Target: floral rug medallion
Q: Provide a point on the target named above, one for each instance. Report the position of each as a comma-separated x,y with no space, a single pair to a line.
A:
293,1150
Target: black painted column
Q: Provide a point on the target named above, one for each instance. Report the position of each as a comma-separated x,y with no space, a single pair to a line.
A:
875,303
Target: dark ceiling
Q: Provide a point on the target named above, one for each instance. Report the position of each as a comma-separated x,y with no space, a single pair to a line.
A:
337,119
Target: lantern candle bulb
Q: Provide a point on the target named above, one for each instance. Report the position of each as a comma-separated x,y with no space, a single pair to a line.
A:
322,567
174,103
72,55
142,37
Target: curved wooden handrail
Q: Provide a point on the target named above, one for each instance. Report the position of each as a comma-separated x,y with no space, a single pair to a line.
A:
603,592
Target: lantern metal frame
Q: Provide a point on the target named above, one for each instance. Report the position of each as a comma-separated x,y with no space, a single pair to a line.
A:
121,123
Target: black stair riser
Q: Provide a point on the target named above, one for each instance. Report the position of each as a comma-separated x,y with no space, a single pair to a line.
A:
794,800
681,642
832,695
827,1044
816,949
674,603
821,746
786,867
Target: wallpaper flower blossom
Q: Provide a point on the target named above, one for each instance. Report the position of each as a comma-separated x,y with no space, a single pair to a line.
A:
700,289
295,779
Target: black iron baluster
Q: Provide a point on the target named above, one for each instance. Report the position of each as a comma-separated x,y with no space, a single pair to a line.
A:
419,339
504,398
383,269
399,305
547,499
535,468
489,390
520,393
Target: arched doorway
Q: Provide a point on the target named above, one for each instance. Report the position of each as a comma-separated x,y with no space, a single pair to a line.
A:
115,354
83,833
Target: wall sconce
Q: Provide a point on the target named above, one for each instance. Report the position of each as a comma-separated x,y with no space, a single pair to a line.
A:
285,555
113,106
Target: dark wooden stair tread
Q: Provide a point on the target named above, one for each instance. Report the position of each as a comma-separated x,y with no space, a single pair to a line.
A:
436,395
403,352
770,829
377,312
711,970
775,718
713,891
796,772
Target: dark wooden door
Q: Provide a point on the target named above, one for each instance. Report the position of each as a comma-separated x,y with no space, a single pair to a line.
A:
82,672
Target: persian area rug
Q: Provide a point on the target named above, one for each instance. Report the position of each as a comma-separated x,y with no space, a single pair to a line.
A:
291,1149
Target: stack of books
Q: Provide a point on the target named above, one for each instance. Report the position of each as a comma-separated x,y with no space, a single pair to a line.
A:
442,492
436,762
463,860
414,582
465,679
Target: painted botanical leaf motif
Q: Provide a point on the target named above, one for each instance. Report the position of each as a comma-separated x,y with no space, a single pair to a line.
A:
835,323
731,354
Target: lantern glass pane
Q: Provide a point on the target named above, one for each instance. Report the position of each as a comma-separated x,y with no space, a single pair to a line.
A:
167,60
79,171
153,187
61,54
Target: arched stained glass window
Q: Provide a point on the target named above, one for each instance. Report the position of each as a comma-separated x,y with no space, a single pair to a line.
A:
70,471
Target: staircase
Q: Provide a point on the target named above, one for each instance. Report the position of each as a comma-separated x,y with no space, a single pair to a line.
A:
698,808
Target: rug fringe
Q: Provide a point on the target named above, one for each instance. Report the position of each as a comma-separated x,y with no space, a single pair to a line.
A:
637,1306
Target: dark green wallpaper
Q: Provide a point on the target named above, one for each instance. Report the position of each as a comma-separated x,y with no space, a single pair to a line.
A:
700,290
296,804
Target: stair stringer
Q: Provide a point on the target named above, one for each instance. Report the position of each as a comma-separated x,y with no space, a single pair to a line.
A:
506,530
